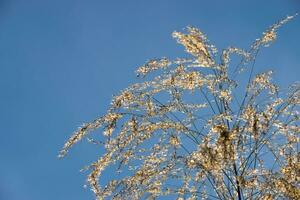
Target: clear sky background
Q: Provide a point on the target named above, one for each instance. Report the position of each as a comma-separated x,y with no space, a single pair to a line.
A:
62,60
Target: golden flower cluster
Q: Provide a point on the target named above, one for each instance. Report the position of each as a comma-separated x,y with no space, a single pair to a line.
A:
194,132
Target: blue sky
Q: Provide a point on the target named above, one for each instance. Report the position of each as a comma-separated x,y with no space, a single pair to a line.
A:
62,60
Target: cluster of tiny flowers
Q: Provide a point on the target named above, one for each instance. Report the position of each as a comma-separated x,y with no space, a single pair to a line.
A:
193,132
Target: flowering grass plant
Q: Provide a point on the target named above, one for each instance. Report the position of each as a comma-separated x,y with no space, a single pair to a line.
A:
199,128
